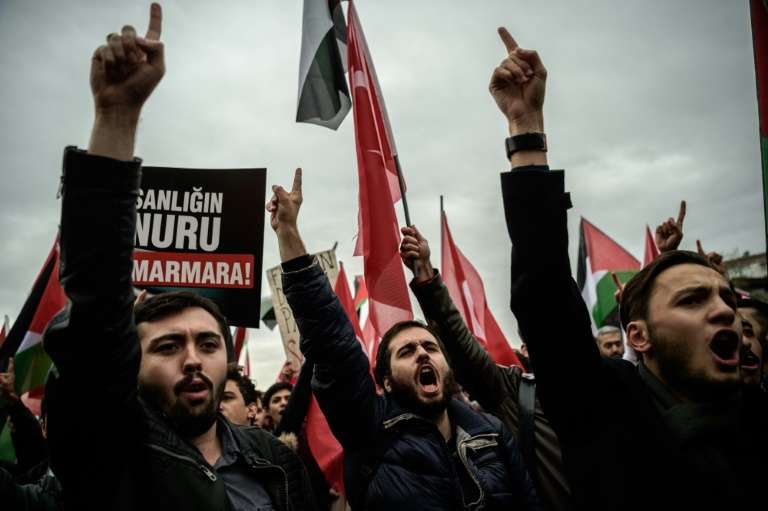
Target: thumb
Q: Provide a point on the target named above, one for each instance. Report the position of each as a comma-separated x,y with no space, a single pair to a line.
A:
699,248
10,366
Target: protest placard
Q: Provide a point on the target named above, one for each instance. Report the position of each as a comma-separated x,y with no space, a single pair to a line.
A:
203,230
283,314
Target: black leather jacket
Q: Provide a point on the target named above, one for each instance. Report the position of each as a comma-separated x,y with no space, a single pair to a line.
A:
108,448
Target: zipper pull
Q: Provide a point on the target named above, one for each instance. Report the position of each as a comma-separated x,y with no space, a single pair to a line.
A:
208,472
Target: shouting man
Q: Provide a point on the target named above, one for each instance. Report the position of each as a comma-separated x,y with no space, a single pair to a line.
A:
415,447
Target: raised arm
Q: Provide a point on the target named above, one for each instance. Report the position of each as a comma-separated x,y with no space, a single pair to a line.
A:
552,316
475,369
341,380
93,342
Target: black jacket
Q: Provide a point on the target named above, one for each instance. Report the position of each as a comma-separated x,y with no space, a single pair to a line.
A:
108,448
618,451
394,459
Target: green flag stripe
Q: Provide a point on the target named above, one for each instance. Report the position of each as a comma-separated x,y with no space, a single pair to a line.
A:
32,365
6,445
605,291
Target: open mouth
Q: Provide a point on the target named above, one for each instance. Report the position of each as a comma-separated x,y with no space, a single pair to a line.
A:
427,379
749,360
195,390
725,348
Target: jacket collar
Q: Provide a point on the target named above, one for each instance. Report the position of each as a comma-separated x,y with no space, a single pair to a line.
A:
462,417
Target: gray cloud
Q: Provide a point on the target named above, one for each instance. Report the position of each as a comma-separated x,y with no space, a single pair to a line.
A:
648,103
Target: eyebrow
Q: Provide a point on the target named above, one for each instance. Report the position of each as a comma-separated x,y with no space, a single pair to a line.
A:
180,337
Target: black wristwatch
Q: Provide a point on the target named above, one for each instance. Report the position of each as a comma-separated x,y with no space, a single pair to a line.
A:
526,142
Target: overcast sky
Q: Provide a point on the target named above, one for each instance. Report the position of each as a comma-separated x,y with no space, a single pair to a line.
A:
648,102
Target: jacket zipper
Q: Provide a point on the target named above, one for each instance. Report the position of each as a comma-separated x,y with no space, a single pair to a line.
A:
462,449
265,465
207,471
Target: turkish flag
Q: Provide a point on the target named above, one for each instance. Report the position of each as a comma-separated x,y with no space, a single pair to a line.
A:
468,293
379,237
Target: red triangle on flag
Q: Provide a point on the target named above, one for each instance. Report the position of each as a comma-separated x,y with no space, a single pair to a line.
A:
651,251
604,253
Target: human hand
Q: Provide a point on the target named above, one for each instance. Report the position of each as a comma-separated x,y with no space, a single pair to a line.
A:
619,287
126,70
284,206
415,253
670,233
7,384
518,87
714,258
283,209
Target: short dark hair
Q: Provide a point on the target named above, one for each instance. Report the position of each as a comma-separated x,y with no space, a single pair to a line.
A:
274,389
166,304
246,386
760,307
637,292
382,368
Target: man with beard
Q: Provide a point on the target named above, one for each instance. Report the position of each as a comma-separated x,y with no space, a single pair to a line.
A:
414,447
133,423
609,342
675,432
754,318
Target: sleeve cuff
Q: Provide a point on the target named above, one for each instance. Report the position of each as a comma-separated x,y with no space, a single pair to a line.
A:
539,168
297,263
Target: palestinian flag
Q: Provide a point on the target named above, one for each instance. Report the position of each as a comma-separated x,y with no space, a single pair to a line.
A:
24,341
759,10
599,255
323,93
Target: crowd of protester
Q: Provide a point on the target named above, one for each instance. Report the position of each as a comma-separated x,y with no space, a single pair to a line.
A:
145,407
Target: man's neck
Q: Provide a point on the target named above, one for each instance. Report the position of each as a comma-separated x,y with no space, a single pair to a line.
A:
443,423
209,444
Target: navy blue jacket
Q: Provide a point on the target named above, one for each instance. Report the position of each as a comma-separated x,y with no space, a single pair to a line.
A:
394,459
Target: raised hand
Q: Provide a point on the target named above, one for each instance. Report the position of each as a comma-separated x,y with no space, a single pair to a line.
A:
415,253
518,86
619,287
126,70
670,233
715,259
7,384
283,209
284,206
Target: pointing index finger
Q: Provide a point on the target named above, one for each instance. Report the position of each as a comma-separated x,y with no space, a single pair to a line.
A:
508,40
155,22
297,181
681,214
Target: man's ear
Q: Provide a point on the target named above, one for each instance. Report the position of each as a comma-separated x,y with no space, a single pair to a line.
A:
638,337
387,384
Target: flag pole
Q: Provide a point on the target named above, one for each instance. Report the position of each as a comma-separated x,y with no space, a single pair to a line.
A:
401,182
